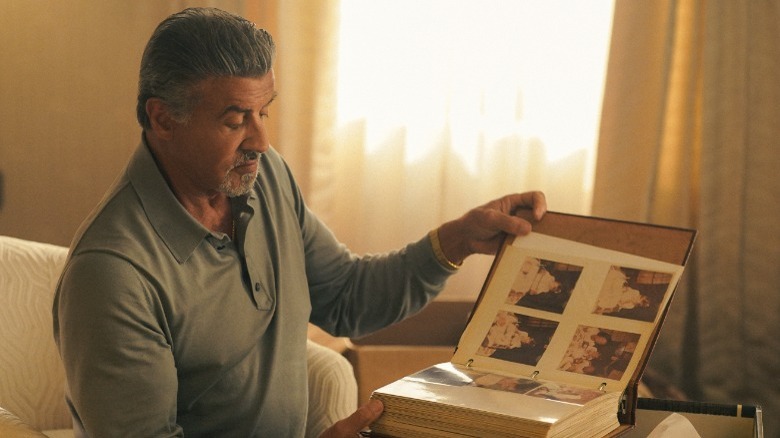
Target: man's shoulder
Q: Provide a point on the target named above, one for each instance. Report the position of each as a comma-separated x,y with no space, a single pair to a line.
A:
118,226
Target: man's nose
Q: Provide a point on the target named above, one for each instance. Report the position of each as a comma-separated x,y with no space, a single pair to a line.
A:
257,136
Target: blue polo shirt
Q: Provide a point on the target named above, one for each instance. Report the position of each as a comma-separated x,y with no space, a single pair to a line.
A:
168,329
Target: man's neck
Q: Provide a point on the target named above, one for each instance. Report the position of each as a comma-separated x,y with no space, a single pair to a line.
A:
211,209
213,212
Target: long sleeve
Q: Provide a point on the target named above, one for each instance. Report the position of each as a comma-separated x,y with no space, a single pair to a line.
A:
353,295
116,355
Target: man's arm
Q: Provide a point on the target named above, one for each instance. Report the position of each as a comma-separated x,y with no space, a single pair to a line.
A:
345,289
120,369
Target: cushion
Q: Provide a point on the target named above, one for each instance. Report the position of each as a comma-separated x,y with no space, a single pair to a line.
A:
12,427
31,375
332,388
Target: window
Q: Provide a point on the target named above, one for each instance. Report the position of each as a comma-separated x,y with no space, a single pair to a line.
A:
443,105
482,74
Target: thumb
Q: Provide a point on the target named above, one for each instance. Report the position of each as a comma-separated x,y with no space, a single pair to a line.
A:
352,425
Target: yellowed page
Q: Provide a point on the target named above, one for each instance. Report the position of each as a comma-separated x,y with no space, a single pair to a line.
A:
567,312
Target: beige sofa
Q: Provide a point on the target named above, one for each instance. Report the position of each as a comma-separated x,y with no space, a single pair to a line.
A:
32,382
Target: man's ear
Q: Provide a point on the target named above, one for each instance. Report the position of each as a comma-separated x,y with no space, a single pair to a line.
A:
159,114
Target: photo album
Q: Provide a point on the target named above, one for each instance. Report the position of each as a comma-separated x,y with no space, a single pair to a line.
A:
557,340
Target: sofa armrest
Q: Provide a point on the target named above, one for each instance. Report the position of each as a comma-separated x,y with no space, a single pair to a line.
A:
12,427
332,388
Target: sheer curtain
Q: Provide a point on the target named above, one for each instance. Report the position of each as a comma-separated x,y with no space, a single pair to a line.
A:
689,137
439,106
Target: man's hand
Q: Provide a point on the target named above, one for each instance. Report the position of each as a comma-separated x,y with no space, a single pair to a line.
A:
481,230
351,426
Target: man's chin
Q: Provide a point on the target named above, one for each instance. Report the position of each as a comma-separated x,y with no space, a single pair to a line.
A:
243,187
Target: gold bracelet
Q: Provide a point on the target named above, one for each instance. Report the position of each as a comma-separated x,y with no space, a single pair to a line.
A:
437,251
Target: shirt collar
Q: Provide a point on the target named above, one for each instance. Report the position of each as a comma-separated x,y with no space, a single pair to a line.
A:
180,232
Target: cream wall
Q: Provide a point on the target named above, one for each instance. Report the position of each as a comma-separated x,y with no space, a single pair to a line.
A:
68,75
67,92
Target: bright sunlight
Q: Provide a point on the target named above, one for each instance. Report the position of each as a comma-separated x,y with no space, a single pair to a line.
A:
475,72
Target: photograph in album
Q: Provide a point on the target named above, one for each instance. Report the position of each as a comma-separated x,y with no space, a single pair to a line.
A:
633,294
543,285
599,352
517,338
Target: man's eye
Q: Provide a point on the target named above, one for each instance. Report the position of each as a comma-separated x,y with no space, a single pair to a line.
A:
233,126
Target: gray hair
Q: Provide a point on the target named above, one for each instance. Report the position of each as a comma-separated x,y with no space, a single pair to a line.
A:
197,44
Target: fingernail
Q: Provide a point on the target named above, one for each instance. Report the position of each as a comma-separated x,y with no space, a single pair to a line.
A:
376,406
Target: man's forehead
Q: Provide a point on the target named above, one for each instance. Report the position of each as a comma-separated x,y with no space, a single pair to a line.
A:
237,91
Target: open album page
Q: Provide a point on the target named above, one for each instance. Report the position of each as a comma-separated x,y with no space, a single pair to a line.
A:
560,311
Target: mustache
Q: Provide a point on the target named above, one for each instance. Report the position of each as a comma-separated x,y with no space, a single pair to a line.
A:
247,156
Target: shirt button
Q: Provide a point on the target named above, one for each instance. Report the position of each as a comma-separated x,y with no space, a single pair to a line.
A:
257,287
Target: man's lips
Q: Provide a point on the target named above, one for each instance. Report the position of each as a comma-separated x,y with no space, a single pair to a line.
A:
246,167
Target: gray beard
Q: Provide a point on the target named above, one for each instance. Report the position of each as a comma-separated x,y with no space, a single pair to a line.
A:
243,187
247,181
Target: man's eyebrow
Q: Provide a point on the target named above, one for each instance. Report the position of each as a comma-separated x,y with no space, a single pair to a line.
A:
238,109
271,100
235,109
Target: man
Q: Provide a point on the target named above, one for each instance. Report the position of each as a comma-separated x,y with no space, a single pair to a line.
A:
184,304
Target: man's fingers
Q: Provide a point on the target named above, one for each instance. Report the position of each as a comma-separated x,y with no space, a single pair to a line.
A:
352,425
539,202
366,414
534,200
480,230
